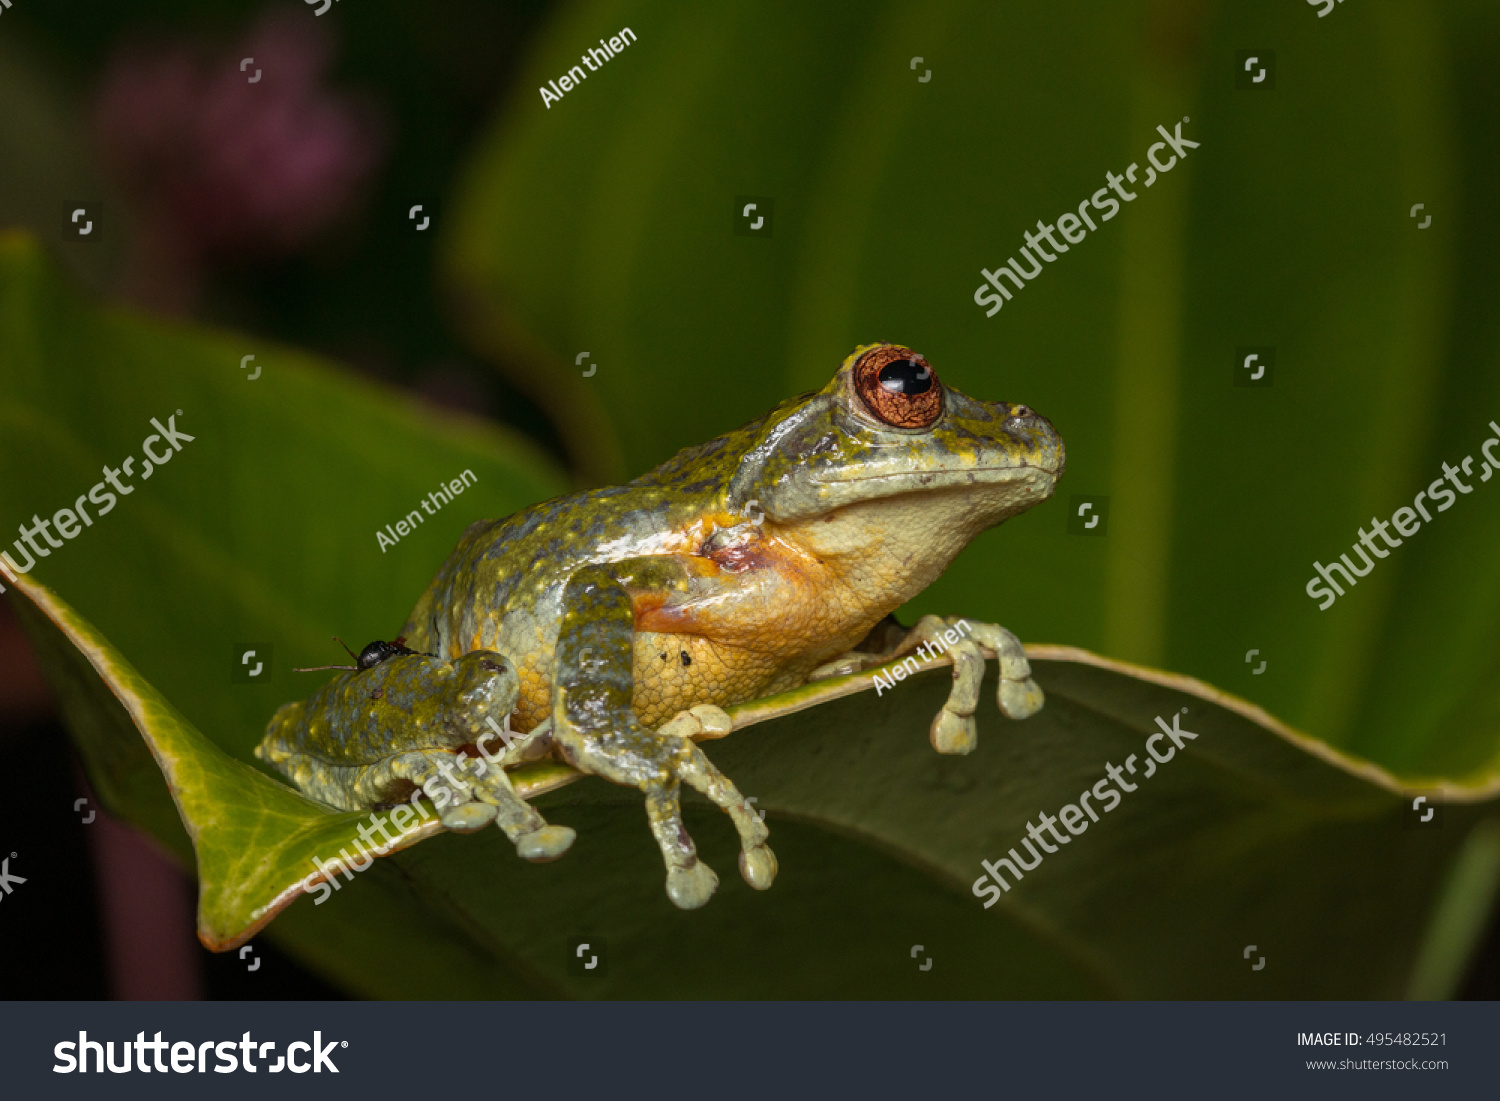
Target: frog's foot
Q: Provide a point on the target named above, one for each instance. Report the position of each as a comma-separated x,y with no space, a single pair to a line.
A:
757,861
478,792
653,763
1019,696
533,838
690,882
658,762
953,730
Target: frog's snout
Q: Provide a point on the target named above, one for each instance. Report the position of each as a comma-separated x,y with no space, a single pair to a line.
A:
1039,436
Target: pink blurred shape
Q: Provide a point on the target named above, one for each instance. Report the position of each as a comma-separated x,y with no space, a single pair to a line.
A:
228,164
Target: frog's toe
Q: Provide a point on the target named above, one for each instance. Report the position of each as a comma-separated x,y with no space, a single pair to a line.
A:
705,721
547,843
1020,699
758,867
954,733
849,663
469,817
713,722
690,886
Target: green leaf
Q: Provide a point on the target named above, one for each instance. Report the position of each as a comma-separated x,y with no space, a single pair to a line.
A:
604,223
866,817
254,838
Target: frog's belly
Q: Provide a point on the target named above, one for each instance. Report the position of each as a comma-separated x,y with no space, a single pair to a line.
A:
673,673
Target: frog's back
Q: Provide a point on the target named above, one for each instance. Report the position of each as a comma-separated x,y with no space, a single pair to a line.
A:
501,588
511,562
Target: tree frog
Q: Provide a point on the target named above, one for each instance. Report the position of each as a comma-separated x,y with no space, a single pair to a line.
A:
611,627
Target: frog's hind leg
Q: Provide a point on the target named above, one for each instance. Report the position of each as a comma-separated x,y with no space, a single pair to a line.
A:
596,730
533,838
478,793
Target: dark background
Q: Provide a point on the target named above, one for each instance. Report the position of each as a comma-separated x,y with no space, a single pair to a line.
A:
431,73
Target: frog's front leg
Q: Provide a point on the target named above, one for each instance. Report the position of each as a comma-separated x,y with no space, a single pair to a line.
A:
953,729
596,730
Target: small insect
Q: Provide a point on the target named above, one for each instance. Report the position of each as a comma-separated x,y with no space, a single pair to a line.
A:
372,655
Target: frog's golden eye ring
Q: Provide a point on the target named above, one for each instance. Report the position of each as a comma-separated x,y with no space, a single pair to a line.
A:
899,387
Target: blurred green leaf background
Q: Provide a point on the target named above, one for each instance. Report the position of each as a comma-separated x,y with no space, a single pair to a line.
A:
604,224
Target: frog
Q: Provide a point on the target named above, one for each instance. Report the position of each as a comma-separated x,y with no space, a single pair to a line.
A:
610,628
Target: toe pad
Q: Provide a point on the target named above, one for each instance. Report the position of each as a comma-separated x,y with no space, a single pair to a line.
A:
469,817
954,733
547,843
758,867
690,888
1020,699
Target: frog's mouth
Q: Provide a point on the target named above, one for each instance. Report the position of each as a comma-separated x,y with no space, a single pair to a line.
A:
914,481
1006,489
963,475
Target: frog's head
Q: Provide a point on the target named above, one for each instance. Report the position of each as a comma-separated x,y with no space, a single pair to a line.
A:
887,432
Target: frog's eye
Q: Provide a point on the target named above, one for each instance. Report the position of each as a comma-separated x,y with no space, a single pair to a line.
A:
899,387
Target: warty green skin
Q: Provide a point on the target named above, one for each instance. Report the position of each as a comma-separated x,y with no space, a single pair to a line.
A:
358,718
777,546
376,736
